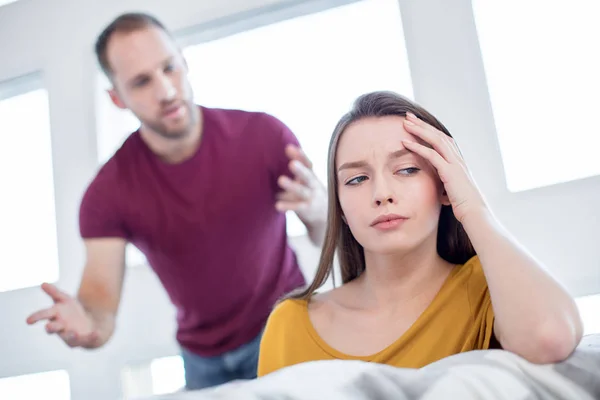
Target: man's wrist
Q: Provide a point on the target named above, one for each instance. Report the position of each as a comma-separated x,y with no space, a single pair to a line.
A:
101,326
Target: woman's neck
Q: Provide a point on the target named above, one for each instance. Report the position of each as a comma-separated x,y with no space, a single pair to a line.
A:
395,279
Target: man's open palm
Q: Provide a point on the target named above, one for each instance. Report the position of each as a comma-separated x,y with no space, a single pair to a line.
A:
66,318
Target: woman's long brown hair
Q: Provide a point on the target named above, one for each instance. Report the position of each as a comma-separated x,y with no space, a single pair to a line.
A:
453,244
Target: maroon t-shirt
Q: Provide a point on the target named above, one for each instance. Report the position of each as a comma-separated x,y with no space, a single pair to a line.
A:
208,226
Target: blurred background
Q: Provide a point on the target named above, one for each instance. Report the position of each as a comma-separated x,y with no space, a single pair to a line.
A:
516,82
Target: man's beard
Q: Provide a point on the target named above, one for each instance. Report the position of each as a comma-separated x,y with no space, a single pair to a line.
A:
170,134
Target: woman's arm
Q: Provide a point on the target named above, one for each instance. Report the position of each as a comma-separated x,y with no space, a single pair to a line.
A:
535,317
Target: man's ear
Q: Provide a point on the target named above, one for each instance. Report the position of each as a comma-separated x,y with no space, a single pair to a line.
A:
116,99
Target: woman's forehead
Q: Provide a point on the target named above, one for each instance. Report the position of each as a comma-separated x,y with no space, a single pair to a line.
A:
373,135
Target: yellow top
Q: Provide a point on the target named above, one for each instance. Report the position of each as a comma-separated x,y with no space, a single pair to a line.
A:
460,318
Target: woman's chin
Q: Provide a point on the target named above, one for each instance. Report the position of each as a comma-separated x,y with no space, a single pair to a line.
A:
388,249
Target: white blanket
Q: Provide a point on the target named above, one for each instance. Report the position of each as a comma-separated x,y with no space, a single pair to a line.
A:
481,375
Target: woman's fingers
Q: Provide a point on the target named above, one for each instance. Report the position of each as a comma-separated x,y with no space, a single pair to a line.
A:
444,144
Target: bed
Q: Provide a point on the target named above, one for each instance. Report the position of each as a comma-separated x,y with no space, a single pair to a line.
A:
482,375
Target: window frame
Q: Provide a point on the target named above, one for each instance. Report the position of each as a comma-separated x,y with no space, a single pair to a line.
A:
18,86
253,19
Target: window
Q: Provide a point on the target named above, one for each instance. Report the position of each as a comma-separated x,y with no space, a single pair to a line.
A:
589,308
304,72
114,124
161,376
168,375
134,257
53,385
543,87
28,213
299,70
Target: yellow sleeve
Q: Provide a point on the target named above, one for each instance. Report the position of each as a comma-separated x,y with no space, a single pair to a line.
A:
273,346
481,306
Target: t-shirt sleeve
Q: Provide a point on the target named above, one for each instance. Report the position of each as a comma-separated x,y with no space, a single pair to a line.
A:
281,136
481,306
99,214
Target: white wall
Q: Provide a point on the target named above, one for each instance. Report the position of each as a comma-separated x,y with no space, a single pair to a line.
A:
559,224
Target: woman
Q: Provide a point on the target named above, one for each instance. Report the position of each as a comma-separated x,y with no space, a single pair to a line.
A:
427,270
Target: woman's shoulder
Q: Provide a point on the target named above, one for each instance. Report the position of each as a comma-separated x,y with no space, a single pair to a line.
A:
472,276
475,270
294,309
287,309
286,316
471,269
469,276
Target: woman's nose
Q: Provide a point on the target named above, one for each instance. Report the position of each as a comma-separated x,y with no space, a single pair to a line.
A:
383,193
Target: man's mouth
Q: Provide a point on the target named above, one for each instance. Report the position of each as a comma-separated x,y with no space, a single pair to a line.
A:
174,111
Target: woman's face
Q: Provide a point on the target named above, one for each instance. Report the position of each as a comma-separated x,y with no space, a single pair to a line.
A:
379,179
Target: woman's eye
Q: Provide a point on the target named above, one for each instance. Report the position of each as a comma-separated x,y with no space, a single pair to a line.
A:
409,171
356,181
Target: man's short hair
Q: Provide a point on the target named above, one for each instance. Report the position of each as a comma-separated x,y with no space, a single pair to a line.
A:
124,23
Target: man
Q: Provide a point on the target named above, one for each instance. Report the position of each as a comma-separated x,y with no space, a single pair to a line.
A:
202,193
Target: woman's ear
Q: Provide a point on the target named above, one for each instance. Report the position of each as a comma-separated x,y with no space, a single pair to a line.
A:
445,200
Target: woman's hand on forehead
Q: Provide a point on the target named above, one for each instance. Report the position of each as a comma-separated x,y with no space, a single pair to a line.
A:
444,155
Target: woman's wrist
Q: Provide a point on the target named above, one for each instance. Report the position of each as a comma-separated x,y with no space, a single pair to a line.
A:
476,218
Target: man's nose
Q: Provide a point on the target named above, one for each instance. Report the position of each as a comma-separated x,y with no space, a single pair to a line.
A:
165,90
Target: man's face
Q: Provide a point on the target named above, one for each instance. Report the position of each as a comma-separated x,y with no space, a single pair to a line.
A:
149,78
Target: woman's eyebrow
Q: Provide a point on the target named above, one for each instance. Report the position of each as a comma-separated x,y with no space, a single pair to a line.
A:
353,164
399,153
361,164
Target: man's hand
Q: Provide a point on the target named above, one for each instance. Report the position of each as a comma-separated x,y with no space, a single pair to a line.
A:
67,318
305,194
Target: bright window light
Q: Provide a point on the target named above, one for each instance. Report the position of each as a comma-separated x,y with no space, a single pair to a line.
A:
113,124
304,72
26,176
299,70
168,375
134,257
542,73
160,376
589,308
53,385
